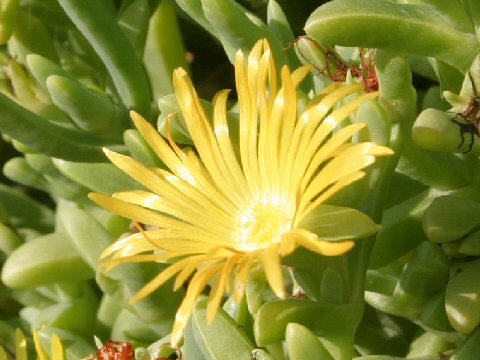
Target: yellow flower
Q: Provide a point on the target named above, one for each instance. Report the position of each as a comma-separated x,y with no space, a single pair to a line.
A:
21,348
226,207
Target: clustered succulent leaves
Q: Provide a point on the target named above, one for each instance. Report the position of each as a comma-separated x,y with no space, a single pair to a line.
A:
379,77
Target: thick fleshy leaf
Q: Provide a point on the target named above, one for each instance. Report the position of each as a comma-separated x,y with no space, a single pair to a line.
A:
105,178
88,236
113,47
82,104
434,130
331,319
25,212
407,28
45,137
45,260
134,20
438,170
434,314
426,272
31,36
470,348
334,223
449,218
163,53
462,299
239,29
222,339
302,344
401,229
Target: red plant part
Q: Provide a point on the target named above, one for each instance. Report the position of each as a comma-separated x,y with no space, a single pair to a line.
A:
115,350
367,70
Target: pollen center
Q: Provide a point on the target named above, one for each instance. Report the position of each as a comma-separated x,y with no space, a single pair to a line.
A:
261,225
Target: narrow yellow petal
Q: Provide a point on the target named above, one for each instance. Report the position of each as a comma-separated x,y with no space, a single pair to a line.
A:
339,185
163,277
157,143
219,288
300,73
41,353
187,270
247,123
328,248
181,209
57,348
197,284
330,146
224,142
111,263
306,127
241,276
3,354
20,345
202,134
273,270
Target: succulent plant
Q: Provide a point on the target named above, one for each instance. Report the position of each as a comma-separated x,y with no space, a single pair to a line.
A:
327,208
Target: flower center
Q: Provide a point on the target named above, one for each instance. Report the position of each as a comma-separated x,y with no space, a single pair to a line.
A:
260,225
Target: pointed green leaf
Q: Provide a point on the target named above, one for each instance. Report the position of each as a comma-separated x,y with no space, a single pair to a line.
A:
45,137
386,24
24,211
45,260
83,105
302,344
331,319
239,29
449,218
134,23
113,47
462,299
426,272
88,236
336,223
222,339
163,53
101,177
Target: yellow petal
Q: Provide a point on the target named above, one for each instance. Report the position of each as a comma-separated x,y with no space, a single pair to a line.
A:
20,345
273,270
328,248
41,353
340,184
57,348
197,284
219,288
163,277
3,354
241,276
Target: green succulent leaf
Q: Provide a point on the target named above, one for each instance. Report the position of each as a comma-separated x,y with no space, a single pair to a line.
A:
101,177
24,211
46,260
462,299
332,319
113,47
302,344
88,236
336,223
449,218
389,25
427,271
45,137
163,53
222,339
